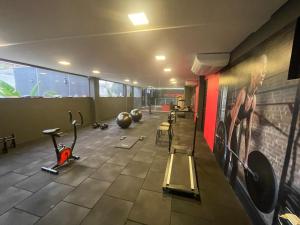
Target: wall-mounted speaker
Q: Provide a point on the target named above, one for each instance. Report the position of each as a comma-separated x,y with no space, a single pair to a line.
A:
294,70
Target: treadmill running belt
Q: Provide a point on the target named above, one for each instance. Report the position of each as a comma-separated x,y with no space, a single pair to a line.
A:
180,171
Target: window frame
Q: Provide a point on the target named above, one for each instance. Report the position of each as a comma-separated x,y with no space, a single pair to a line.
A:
114,82
36,72
140,90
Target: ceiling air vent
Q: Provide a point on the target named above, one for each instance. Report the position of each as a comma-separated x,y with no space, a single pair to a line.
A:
209,63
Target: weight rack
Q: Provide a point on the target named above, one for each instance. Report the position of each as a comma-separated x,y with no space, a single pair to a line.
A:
5,140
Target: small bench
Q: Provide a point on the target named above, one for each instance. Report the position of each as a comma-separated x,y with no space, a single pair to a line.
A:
165,128
162,131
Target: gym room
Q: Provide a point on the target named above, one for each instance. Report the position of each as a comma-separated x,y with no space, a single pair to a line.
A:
136,112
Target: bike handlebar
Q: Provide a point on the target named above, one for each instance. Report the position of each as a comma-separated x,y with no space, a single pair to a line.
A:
70,117
74,122
81,118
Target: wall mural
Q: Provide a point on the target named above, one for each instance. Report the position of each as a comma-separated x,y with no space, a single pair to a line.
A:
255,122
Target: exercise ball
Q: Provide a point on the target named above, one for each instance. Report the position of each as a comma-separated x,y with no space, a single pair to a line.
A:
124,120
136,115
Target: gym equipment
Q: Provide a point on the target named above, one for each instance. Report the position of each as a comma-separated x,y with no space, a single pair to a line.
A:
102,126
165,127
136,115
95,125
286,195
149,98
124,120
261,182
128,142
181,112
141,138
181,175
5,140
64,154
161,131
259,175
290,205
289,218
173,116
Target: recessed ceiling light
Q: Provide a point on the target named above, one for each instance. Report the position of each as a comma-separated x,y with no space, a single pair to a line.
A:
160,57
135,82
96,71
65,63
43,73
167,69
138,18
126,80
172,79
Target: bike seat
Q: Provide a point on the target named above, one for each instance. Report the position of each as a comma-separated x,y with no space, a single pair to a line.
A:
51,131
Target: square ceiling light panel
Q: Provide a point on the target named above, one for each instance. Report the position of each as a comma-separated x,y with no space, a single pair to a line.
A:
138,18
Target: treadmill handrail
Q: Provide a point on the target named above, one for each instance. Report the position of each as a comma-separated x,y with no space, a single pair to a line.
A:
195,134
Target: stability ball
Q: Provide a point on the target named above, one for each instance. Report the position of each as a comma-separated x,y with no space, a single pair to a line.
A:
136,115
124,120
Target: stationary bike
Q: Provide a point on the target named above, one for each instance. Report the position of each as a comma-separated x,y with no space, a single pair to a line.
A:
64,154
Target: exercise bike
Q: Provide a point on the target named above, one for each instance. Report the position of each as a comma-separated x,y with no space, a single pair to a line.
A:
64,154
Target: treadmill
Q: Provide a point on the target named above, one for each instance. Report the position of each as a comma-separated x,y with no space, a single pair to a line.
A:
180,176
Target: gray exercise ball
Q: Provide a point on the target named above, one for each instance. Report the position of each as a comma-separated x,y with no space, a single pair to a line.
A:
124,120
136,115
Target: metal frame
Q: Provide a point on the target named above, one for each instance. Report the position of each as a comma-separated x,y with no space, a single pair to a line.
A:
59,147
288,153
5,141
193,189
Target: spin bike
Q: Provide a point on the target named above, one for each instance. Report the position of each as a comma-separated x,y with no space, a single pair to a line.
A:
64,154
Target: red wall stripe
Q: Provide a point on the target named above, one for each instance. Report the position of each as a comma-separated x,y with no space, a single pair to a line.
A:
211,109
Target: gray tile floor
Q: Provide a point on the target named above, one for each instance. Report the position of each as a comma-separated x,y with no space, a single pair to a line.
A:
112,186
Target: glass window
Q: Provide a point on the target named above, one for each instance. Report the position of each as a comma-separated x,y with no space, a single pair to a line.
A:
53,84
110,89
18,80
11,78
25,80
129,91
137,92
79,86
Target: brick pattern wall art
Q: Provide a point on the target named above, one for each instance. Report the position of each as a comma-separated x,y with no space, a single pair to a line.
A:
260,99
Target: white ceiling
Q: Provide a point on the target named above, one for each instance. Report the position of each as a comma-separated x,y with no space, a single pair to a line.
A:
96,34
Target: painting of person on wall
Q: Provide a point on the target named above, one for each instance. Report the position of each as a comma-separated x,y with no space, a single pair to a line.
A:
243,110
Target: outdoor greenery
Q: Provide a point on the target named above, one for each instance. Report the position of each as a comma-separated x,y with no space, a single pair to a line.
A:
6,90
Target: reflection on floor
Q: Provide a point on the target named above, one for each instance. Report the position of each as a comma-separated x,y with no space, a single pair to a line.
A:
112,186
